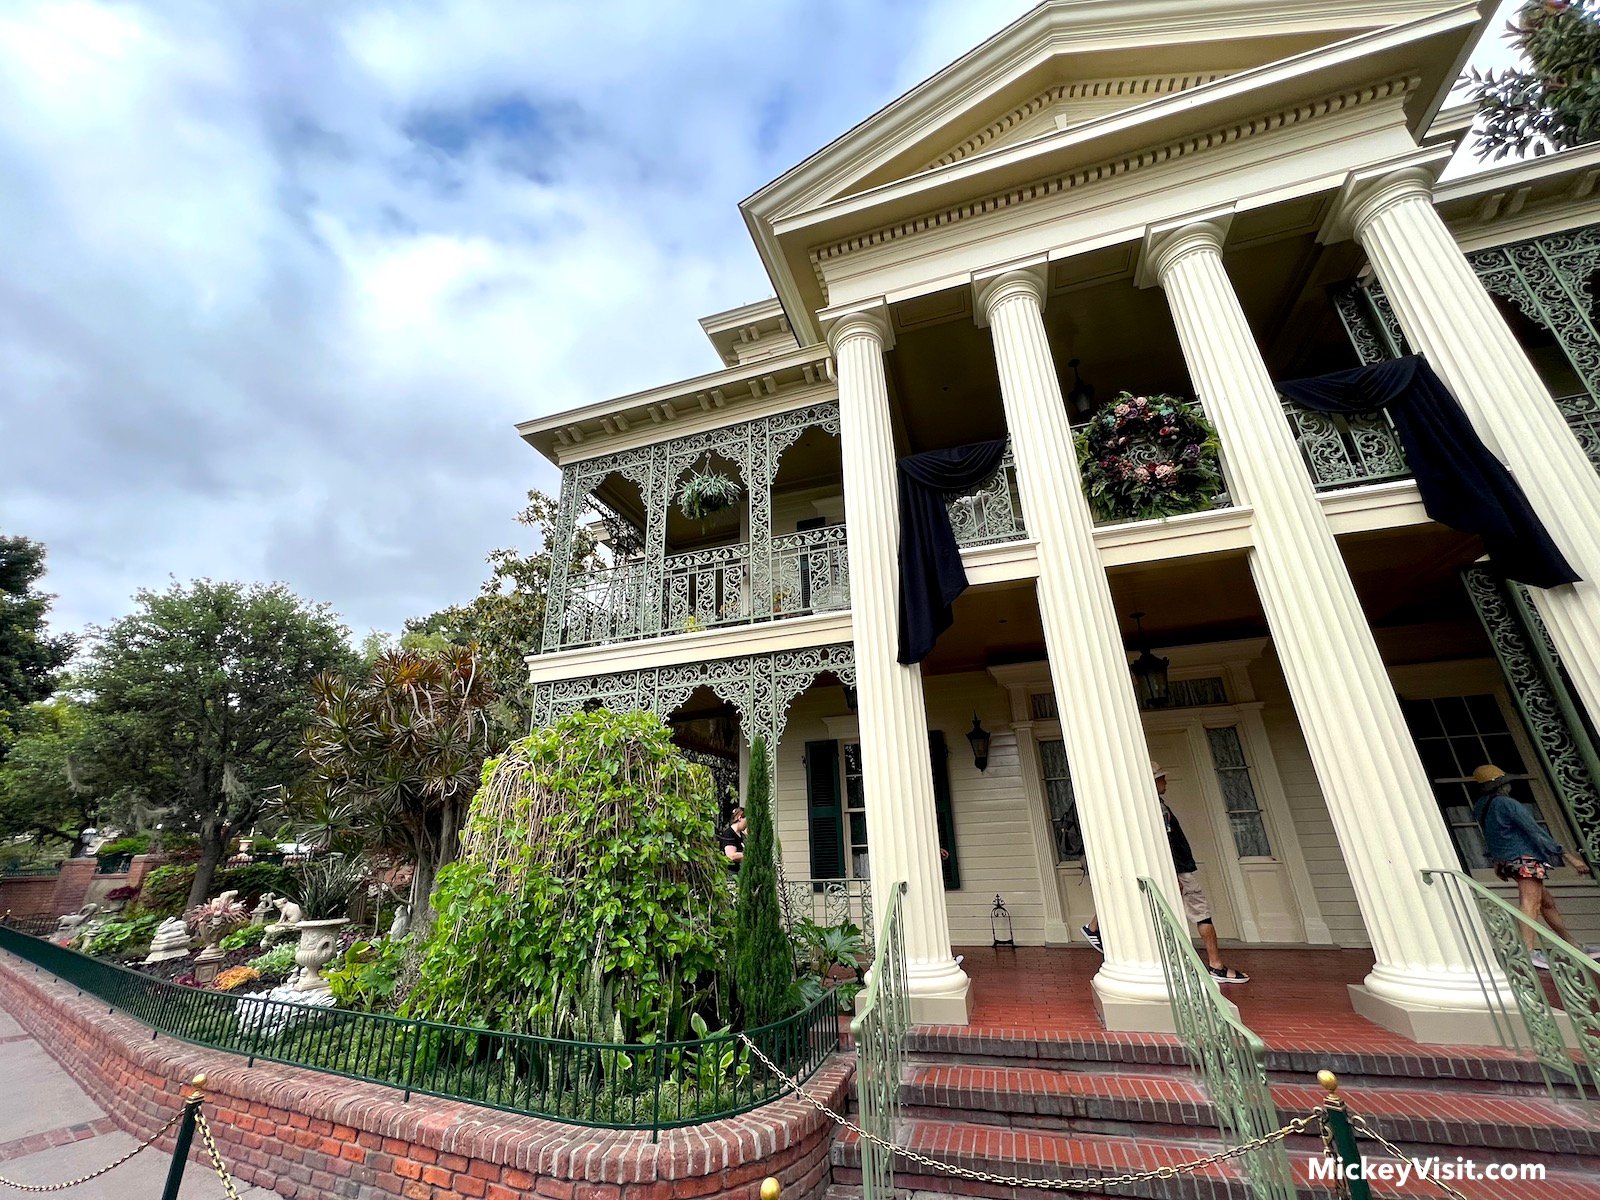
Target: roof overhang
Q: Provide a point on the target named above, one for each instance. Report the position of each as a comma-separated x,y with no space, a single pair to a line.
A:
1316,50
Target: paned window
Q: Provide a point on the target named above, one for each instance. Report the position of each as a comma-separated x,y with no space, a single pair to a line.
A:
1063,807
855,812
1454,736
1043,705
1238,793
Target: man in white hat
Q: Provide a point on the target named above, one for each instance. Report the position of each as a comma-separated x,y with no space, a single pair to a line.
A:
1195,904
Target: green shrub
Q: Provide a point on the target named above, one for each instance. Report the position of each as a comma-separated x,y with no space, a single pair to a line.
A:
366,976
165,890
133,843
277,962
253,879
120,934
250,935
591,899
326,886
763,959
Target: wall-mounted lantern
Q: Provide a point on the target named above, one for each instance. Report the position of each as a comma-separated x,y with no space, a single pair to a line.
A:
1149,670
979,737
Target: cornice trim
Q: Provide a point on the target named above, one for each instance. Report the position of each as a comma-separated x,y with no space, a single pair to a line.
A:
1109,169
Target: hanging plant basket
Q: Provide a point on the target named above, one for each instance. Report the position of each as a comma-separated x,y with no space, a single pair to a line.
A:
706,493
1145,457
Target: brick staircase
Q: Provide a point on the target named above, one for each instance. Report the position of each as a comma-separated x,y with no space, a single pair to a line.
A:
1056,1106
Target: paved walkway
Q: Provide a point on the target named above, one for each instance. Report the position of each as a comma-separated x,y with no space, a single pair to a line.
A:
51,1131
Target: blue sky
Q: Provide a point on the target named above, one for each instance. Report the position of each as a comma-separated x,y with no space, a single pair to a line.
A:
280,275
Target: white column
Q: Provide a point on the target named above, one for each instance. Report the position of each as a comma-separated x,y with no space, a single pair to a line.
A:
1123,833
1383,809
1448,316
897,772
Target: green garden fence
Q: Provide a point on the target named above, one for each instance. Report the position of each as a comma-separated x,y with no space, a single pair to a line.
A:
606,1085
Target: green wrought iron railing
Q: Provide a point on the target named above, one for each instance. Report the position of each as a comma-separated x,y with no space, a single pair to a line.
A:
1566,1040
879,1030
1230,1058
607,1085
830,902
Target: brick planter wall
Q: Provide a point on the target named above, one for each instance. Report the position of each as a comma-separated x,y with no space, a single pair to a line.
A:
305,1134
28,895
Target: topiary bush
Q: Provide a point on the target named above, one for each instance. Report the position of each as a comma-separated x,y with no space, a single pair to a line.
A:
763,959
591,898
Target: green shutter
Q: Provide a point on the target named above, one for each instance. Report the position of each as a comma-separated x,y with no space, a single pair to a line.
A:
941,807
823,810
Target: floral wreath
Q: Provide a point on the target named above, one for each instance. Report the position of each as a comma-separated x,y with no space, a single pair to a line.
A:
1149,456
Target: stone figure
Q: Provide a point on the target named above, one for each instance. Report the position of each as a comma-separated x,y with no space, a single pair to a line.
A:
286,926
171,941
401,923
262,910
73,920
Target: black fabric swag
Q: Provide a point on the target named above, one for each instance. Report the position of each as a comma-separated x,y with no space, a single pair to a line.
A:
1462,484
931,574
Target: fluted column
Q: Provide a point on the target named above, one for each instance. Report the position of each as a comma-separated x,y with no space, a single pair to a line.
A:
1118,810
1448,315
1383,809
897,772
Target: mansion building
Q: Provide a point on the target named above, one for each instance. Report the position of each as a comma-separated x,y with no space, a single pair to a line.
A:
1196,199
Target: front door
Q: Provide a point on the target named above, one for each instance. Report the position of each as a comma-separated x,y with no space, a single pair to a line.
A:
1187,798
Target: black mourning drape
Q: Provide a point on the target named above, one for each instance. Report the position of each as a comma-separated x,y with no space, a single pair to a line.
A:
931,574
1462,484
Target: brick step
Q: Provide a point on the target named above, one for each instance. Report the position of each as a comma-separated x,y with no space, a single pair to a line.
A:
1169,1106
1477,1069
1047,1154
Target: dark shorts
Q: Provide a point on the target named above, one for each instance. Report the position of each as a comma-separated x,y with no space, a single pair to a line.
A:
1526,867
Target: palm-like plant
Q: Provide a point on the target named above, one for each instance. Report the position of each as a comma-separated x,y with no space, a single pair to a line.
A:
396,756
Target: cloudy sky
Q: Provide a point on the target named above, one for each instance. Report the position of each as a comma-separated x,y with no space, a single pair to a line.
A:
278,276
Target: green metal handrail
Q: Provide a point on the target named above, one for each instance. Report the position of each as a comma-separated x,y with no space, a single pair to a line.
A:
1576,977
607,1085
879,1029
1232,1060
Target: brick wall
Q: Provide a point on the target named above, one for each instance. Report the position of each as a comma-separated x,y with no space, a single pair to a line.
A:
28,895
304,1134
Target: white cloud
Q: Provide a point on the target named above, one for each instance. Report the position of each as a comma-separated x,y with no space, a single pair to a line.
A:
280,275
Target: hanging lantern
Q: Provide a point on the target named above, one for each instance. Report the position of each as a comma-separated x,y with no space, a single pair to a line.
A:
1000,923
979,737
1149,671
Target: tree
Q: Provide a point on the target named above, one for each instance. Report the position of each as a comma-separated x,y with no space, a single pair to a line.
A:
1555,102
395,756
29,656
506,619
763,959
202,697
47,788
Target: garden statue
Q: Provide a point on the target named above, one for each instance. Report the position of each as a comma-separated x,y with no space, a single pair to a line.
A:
319,942
401,924
171,941
73,920
211,922
289,917
262,910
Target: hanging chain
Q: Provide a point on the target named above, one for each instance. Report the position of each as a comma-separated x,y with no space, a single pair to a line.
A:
1298,1125
215,1155
1363,1128
72,1183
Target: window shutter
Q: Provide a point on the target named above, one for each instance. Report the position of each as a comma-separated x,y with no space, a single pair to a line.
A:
824,811
941,807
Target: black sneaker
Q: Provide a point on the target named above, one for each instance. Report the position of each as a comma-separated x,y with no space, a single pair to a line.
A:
1092,936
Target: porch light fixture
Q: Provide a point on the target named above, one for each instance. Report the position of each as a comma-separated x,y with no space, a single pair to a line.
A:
1149,670
1081,398
979,737
1000,923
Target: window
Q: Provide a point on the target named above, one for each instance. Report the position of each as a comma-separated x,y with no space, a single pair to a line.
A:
1043,706
1455,735
1063,807
855,812
1192,693
1238,793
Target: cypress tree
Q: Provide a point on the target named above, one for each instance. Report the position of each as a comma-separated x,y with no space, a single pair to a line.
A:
763,958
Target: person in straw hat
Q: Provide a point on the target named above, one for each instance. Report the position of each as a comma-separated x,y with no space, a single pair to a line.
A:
1195,904
1522,852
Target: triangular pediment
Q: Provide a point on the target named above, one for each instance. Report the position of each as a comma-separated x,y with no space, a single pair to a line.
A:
1080,65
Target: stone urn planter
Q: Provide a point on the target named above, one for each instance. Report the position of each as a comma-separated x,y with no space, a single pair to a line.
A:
319,942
